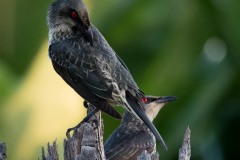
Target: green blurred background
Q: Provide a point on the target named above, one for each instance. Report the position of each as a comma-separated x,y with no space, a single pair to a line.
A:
185,48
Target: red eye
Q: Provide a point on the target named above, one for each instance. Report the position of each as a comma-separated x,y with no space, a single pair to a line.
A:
74,14
144,100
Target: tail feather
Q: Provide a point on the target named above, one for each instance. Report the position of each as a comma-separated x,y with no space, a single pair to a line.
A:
105,107
137,109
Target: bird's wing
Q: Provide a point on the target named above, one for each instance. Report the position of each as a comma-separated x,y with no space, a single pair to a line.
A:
103,45
78,70
121,61
82,76
98,37
125,144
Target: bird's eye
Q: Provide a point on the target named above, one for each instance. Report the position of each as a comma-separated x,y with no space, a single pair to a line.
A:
144,100
74,14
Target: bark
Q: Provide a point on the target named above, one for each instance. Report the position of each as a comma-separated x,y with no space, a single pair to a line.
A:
3,151
86,143
185,151
52,152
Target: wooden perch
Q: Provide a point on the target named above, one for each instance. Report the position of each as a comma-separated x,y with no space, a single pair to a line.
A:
185,151
86,143
52,152
3,151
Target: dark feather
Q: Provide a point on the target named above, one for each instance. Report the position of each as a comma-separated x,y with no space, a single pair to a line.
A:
123,144
124,65
85,82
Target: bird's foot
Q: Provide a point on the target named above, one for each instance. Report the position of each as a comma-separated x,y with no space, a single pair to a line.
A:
85,104
86,119
73,128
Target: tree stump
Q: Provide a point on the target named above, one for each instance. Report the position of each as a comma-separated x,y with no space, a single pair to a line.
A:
3,151
86,143
185,151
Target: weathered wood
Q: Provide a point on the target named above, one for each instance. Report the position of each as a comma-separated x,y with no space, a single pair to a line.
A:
52,152
86,142
3,151
185,151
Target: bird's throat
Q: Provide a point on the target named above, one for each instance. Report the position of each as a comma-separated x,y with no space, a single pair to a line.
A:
59,33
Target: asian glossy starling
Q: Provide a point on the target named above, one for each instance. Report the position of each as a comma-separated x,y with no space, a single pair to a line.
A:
86,62
132,137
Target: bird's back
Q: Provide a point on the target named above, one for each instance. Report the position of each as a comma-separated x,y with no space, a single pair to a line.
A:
110,60
129,140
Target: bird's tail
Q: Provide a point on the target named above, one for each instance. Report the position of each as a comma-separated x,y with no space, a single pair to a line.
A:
136,107
105,107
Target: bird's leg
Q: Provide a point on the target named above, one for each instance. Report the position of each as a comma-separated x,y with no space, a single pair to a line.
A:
86,119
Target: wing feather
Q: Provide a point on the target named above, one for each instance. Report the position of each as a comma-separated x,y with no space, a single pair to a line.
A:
68,63
77,72
124,145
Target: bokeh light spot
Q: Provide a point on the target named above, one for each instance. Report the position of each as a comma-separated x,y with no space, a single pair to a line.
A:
215,49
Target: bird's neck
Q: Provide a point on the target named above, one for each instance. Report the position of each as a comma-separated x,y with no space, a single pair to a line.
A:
60,33
152,110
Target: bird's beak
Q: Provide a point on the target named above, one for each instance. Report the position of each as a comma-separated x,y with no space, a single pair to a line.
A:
85,22
160,99
89,36
165,99
83,14
87,32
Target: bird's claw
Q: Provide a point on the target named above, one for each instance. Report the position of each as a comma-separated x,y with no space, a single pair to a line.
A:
68,132
86,119
73,128
85,104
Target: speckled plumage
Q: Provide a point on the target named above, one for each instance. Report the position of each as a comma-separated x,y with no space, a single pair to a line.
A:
128,141
85,60
98,63
133,137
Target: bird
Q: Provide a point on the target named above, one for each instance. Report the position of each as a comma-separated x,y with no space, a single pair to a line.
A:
132,136
86,62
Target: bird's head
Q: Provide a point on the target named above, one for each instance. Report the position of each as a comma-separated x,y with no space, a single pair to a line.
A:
68,16
155,104
152,110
